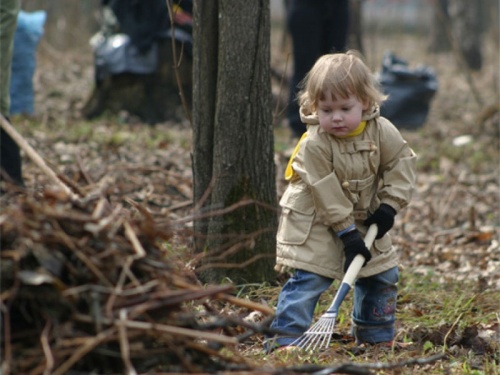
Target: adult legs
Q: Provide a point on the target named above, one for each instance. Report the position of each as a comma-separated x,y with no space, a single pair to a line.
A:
316,27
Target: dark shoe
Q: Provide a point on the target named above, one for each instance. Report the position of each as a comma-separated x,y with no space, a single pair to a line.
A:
10,160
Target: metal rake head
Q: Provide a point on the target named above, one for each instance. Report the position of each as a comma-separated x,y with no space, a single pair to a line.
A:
318,336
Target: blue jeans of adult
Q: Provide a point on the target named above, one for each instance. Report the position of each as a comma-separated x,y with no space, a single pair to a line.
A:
316,27
374,307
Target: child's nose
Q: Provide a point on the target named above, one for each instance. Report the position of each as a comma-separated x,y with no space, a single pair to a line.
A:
336,116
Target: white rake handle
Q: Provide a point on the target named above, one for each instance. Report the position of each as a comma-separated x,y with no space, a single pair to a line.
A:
359,260
352,272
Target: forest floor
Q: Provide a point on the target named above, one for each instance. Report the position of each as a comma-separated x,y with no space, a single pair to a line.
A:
448,238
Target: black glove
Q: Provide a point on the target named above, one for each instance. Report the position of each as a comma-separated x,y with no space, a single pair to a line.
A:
383,217
354,245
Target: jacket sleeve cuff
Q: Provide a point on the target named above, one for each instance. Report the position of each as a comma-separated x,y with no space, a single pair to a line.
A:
343,225
396,204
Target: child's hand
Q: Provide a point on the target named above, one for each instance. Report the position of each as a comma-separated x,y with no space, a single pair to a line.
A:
354,245
383,217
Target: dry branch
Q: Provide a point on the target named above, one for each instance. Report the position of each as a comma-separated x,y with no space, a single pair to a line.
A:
33,155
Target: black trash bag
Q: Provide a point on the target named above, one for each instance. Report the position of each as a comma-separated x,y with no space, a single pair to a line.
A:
128,39
410,92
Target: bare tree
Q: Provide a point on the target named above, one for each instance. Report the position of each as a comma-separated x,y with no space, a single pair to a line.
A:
440,28
457,24
467,30
233,143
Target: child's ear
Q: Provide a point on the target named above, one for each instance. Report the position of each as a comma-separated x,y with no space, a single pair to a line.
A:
366,106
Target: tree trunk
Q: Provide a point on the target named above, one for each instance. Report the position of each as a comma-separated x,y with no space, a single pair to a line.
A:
439,39
233,155
356,25
467,30
457,24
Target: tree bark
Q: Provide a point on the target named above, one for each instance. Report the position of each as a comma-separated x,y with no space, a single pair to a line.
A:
356,25
457,24
439,38
233,155
467,30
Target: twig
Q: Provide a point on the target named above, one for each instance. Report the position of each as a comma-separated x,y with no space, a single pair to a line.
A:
44,339
156,328
222,211
177,63
235,265
84,173
7,357
33,155
173,298
450,330
101,205
118,288
234,300
103,223
142,289
181,332
124,344
244,241
136,244
89,344
246,303
206,194
179,205
90,265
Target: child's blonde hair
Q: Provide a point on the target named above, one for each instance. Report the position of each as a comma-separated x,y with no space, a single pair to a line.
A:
343,75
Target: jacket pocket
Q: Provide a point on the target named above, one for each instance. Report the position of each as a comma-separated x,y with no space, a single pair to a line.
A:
297,216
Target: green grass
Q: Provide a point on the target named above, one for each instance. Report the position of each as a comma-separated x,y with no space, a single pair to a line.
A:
432,318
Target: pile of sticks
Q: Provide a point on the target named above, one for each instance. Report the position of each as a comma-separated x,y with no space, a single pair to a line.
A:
88,287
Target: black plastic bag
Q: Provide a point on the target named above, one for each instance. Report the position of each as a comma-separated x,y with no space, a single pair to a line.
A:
410,92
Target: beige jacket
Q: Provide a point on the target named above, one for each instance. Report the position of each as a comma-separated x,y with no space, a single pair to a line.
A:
338,182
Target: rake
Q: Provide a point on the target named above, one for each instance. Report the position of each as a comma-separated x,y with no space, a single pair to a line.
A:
320,333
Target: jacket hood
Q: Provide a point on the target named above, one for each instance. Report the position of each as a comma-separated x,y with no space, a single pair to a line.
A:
310,118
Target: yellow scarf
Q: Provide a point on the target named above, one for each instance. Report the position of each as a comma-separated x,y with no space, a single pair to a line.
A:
359,129
289,172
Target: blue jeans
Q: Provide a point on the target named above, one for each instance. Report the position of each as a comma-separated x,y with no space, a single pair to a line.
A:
373,315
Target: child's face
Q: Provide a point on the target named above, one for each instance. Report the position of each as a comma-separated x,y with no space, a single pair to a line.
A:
339,116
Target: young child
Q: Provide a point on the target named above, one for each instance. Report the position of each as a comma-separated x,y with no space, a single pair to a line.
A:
352,168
